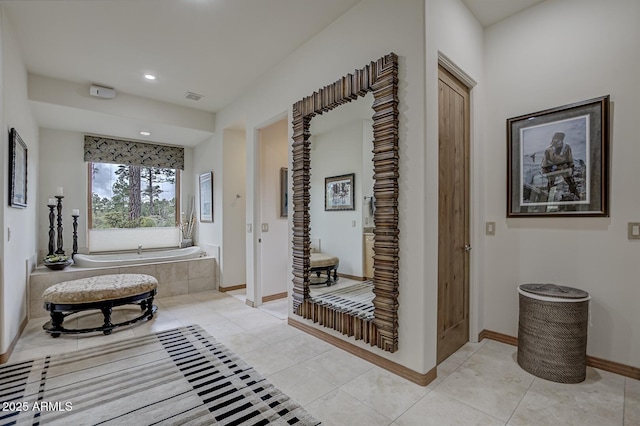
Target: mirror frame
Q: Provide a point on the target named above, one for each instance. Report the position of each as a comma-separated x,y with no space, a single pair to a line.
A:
380,78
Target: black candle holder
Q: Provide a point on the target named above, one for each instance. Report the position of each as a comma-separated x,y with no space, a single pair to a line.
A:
52,233
59,250
75,234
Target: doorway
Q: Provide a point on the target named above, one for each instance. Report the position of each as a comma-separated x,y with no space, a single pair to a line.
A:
272,225
453,214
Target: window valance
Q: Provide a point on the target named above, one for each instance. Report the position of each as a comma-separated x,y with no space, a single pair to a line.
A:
106,150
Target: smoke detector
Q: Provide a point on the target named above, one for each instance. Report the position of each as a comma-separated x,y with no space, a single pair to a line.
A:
193,96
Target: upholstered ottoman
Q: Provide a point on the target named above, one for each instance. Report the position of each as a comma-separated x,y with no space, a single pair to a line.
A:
102,292
325,262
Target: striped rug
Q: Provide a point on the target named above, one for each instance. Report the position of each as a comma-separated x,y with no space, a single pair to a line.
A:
356,300
180,376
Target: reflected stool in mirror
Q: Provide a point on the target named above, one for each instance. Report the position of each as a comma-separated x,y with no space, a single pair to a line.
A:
325,262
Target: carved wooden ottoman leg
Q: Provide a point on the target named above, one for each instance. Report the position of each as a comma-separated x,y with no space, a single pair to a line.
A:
106,311
149,303
56,322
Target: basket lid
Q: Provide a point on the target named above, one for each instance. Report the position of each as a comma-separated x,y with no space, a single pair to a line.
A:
553,290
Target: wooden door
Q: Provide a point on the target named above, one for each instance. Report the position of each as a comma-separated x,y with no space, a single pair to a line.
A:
453,215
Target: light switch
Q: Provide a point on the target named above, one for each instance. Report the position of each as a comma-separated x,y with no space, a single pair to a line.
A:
248,228
353,223
265,227
633,231
490,228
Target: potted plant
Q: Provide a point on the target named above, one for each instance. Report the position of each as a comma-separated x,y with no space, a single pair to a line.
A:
57,262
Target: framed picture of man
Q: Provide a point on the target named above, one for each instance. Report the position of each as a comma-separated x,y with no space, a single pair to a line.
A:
557,161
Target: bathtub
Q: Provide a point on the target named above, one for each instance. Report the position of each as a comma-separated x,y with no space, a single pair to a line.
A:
121,259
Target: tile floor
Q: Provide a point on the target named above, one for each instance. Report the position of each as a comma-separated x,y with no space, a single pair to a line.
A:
481,384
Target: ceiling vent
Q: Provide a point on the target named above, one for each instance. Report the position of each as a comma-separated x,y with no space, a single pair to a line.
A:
102,92
193,96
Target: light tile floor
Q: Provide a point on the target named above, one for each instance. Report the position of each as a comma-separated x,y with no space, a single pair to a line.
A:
481,384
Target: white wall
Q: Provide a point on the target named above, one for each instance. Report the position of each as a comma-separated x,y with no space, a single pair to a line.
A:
336,152
368,31
234,183
274,275
553,54
19,246
366,180
62,165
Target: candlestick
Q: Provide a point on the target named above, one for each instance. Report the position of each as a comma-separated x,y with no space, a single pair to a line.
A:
75,232
51,205
59,197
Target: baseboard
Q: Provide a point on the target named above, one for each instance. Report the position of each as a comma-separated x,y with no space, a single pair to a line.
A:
233,287
275,297
498,337
395,368
614,367
249,303
352,277
5,356
602,364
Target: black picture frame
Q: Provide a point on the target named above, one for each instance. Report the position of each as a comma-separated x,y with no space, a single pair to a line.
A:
339,192
557,161
284,192
206,196
17,170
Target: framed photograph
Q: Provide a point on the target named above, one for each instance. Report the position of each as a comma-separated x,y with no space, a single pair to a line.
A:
206,197
284,192
339,193
557,161
17,170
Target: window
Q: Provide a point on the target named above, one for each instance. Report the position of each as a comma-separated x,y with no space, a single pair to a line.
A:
126,196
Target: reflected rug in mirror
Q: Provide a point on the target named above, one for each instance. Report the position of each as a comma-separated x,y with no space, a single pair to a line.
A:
356,300
179,376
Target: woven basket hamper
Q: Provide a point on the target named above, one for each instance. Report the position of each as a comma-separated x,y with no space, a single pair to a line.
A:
552,332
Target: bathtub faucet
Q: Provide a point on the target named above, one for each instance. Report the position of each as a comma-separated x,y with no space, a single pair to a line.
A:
139,248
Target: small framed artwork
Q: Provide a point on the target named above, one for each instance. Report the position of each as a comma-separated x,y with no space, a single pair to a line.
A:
557,161
339,192
284,192
206,197
17,170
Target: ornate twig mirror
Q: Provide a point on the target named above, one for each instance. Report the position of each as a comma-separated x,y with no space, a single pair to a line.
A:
380,78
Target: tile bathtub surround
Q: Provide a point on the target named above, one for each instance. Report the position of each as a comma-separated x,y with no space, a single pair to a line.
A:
174,278
481,384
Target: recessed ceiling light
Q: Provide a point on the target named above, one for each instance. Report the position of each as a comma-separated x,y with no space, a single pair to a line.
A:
145,133
150,76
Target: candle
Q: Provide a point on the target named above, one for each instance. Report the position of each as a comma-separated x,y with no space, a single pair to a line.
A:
51,202
59,191
75,212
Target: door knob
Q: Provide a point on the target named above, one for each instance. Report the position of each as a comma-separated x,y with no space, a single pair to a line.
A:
467,247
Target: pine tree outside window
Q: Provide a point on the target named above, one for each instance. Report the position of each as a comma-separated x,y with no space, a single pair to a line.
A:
131,196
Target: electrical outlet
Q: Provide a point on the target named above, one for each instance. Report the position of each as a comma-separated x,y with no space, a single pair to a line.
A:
490,228
633,230
265,227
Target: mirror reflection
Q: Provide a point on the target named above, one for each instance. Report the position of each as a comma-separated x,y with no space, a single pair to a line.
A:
341,207
344,196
